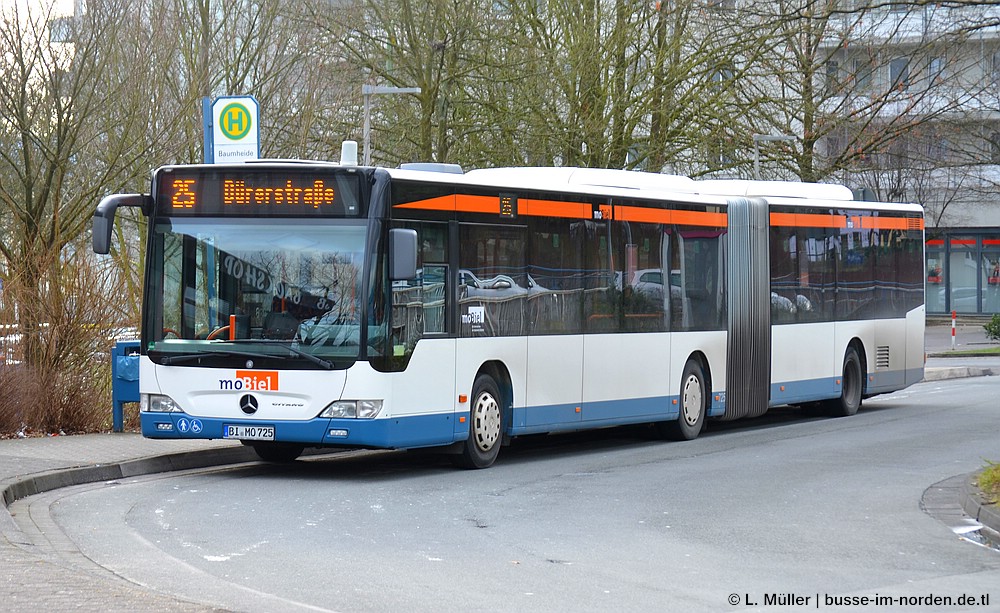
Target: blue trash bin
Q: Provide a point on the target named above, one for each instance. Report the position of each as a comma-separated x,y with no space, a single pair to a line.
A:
124,379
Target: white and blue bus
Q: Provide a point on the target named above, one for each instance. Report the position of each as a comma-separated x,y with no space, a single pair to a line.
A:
305,304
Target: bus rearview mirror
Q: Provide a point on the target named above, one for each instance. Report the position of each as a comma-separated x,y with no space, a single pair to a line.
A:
402,254
104,217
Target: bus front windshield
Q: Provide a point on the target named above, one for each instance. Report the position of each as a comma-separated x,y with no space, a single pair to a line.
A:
278,289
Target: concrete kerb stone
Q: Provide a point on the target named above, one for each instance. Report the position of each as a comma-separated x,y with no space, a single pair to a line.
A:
976,506
958,372
29,485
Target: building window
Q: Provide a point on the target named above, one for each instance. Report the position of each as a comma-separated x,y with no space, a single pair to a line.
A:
899,73
832,77
935,70
994,147
938,149
721,75
834,144
995,68
899,153
862,74
61,29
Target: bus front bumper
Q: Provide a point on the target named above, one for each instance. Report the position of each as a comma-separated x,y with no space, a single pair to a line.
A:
389,433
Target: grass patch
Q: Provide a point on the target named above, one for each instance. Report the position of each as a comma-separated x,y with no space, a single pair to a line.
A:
989,482
985,351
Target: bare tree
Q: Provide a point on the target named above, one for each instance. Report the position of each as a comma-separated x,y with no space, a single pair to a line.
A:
67,139
610,83
862,87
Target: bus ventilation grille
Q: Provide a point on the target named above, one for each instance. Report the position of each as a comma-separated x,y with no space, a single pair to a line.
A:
882,358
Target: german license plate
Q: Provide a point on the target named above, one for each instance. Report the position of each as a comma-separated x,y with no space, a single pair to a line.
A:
248,433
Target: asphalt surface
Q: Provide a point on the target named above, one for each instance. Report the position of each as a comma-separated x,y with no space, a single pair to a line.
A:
35,579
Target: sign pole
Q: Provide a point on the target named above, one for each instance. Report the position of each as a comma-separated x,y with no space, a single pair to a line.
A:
206,122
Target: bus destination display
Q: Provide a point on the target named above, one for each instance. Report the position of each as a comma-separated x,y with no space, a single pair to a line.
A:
269,193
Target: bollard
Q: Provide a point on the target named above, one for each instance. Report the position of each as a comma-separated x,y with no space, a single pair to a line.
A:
953,315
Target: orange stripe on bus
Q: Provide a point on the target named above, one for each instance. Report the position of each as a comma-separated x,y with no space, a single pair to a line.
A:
441,203
584,210
698,218
810,220
642,215
670,216
554,208
477,204
460,202
897,223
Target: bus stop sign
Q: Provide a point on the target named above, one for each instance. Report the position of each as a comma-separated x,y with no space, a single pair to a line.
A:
232,130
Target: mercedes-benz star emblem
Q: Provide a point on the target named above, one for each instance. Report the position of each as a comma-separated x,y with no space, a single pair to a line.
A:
248,404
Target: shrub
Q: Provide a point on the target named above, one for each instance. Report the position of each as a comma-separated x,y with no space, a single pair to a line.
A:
39,400
989,482
55,363
993,328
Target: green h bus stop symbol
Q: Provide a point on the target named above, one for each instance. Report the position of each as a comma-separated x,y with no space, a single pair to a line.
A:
231,129
236,121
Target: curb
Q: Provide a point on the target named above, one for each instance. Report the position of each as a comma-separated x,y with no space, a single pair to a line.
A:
957,372
18,488
975,505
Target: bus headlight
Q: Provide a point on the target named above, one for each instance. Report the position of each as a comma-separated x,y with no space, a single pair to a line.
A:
158,403
363,409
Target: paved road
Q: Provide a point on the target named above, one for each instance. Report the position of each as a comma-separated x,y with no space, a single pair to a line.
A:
776,506
32,578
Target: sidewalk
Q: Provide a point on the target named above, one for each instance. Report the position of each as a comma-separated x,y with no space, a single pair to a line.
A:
35,580
955,359
38,580
968,337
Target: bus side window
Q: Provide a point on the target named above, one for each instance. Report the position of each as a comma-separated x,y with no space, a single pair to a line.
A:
419,305
434,280
493,282
555,278
702,292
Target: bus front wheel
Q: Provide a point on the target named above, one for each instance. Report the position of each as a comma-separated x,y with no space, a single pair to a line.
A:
851,387
485,425
693,402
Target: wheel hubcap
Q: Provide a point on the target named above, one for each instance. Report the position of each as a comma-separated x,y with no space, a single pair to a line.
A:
691,400
486,421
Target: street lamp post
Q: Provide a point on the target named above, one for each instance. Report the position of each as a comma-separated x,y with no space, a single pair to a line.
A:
765,138
367,91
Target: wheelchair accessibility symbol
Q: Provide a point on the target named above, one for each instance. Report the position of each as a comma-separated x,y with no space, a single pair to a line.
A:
185,425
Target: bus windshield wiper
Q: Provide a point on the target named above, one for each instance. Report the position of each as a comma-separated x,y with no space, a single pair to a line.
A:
328,365
190,357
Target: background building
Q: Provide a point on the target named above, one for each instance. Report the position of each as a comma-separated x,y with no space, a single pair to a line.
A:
935,71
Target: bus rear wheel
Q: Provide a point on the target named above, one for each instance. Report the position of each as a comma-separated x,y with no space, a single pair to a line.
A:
279,453
485,425
693,406
851,387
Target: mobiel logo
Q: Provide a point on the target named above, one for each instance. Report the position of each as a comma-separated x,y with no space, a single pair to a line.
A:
253,380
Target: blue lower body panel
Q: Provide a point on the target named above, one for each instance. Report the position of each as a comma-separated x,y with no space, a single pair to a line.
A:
804,391
413,431
564,417
827,388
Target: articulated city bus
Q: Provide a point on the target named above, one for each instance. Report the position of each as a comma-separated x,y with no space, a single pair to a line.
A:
306,304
